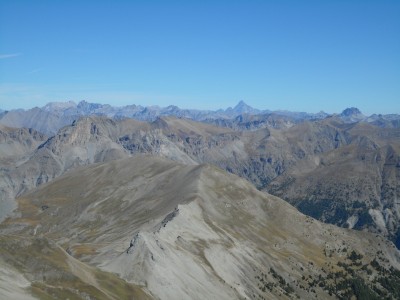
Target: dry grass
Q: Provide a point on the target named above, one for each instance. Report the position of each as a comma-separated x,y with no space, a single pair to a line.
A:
83,249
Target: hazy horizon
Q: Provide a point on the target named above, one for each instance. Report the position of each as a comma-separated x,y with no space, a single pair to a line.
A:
191,108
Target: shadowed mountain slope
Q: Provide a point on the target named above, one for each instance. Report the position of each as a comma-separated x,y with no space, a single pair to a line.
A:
39,119
16,145
16,142
355,185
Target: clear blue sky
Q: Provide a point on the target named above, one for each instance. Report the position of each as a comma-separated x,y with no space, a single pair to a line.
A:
293,55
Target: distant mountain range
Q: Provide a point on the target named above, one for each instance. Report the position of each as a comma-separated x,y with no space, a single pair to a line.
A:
51,117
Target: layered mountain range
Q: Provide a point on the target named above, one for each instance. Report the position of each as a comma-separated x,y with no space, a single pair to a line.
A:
142,203
50,118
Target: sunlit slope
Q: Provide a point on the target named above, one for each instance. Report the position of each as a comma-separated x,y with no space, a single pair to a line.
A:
176,232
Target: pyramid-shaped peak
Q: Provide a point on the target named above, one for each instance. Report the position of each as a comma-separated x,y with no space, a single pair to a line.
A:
242,107
241,104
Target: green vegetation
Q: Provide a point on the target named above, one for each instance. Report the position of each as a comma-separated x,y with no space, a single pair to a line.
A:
364,218
277,284
396,239
353,277
315,209
352,281
327,210
335,212
353,256
356,287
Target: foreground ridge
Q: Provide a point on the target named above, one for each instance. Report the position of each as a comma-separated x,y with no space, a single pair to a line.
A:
170,230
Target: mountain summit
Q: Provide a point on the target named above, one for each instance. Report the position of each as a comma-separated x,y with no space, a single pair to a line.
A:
351,111
352,115
243,108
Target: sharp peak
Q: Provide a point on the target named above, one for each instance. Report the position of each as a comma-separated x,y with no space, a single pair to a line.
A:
241,103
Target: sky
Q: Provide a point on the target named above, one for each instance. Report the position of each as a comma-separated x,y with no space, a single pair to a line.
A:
289,55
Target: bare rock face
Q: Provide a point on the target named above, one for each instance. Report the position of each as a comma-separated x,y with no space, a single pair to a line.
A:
158,229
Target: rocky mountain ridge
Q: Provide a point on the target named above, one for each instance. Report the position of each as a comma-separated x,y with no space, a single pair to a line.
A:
347,172
148,227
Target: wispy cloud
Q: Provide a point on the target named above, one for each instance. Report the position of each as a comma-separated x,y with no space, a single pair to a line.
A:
34,71
4,56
